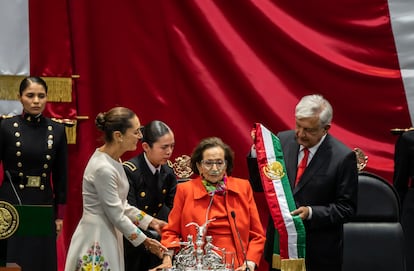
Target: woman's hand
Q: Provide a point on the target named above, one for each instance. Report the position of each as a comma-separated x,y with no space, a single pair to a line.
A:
157,225
59,225
166,263
251,266
155,247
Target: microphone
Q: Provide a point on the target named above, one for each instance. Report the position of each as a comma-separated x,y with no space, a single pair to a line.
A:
12,185
233,215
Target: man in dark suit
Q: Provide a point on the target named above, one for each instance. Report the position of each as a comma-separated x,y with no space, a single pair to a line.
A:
326,193
403,182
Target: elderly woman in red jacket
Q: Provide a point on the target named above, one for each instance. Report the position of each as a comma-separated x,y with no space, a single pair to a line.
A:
226,202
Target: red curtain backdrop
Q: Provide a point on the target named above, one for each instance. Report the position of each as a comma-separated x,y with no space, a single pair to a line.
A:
51,50
213,68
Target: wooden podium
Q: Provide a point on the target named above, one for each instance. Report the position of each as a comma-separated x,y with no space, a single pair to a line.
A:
34,220
10,267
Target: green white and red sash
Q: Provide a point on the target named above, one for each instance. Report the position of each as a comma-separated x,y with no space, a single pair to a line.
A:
290,237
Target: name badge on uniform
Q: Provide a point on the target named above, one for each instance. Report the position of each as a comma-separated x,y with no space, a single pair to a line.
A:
33,181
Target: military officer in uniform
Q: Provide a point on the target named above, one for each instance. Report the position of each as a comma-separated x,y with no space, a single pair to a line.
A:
33,151
152,185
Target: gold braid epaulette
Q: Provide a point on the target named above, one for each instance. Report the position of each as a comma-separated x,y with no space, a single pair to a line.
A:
66,122
130,165
5,117
399,131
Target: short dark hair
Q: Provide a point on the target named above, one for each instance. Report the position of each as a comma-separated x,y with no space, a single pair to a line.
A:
208,143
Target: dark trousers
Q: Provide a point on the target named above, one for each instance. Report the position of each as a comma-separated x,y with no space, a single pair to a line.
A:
407,223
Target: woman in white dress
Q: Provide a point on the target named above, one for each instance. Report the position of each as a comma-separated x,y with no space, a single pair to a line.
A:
97,241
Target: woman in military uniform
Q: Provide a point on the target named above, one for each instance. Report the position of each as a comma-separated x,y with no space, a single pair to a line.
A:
33,151
152,185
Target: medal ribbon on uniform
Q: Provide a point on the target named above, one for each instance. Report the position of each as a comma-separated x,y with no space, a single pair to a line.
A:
290,236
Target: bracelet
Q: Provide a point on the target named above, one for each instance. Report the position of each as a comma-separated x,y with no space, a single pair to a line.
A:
169,253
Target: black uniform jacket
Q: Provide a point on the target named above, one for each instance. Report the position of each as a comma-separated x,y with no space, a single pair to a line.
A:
152,194
34,154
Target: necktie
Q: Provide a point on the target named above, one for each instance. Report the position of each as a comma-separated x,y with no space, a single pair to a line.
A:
302,165
157,176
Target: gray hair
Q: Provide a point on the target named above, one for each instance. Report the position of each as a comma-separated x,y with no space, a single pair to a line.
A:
314,106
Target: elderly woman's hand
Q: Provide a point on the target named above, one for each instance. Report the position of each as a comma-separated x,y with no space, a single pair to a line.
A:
157,225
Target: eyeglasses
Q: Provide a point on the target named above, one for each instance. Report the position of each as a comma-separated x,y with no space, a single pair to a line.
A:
209,164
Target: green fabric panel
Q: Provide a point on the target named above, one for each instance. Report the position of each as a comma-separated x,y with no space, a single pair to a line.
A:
35,220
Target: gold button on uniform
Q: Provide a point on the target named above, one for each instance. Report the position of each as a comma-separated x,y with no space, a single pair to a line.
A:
164,191
159,204
142,194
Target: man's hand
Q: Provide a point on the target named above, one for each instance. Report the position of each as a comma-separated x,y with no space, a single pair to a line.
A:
302,212
253,134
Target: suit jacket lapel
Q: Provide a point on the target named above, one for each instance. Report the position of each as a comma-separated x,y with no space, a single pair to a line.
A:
291,161
318,160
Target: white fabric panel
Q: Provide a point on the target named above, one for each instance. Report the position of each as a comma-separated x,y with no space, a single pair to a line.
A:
14,46
402,21
14,33
10,107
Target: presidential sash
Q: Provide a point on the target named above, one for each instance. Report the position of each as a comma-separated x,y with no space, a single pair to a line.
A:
290,236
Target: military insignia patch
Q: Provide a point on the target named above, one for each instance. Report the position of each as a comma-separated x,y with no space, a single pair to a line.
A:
9,220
